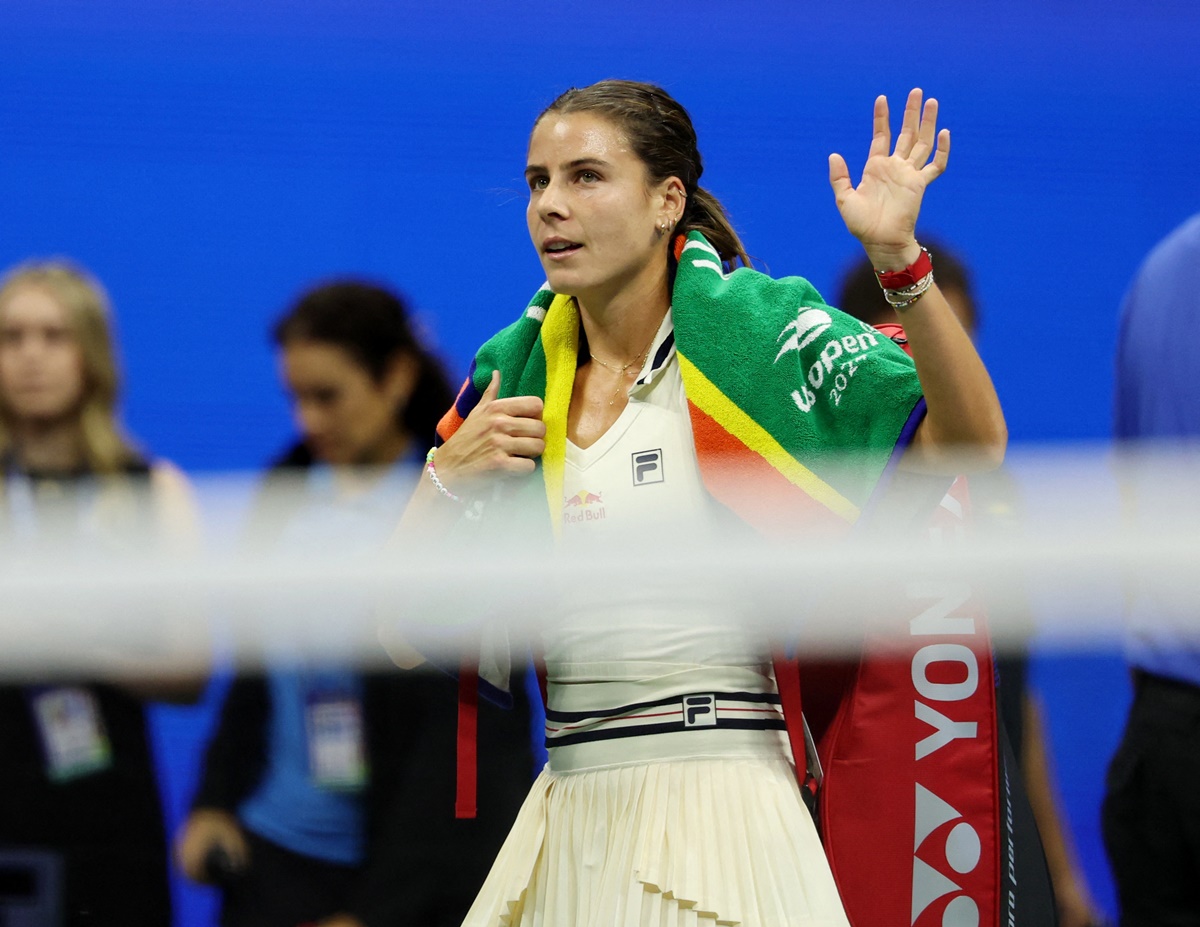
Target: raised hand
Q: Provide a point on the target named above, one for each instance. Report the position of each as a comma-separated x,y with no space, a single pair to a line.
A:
881,212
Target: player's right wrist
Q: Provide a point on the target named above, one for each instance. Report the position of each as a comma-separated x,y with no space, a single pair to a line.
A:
431,472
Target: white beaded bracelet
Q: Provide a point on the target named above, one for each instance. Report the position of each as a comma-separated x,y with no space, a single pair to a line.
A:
441,487
905,297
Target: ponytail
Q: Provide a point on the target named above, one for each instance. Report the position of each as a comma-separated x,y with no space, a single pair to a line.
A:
705,214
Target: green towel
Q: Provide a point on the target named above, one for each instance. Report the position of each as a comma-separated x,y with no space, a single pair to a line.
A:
796,407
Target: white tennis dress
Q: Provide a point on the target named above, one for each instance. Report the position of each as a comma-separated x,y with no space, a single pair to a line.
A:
670,796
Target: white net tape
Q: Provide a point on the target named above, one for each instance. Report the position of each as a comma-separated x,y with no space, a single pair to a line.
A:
1086,540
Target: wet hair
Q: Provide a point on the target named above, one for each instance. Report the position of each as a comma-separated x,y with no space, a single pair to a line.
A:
106,449
661,133
372,325
859,293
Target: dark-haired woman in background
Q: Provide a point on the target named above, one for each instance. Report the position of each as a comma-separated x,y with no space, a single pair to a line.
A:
327,792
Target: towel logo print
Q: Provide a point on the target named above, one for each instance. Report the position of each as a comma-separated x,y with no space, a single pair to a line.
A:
808,326
700,711
647,467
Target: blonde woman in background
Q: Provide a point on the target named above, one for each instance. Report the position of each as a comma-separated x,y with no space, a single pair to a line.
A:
79,804
59,385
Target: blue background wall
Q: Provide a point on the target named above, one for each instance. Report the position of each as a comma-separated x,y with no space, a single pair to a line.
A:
207,160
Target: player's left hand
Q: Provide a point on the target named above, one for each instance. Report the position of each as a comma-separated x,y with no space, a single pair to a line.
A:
881,212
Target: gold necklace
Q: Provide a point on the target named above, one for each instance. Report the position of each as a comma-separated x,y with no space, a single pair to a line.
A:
614,366
639,360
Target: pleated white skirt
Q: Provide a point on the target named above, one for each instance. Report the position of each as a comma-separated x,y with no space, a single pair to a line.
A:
677,843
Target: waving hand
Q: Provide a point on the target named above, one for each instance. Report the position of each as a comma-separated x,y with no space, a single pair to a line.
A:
881,211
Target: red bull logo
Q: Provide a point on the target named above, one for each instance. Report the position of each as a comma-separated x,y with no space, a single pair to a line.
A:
583,506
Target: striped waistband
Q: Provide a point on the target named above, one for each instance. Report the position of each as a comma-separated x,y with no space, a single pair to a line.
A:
700,711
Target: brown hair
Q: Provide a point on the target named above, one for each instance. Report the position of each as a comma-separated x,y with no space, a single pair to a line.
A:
661,134
373,325
106,449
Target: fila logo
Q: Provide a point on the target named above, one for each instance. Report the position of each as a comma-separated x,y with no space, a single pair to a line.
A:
647,467
960,853
700,711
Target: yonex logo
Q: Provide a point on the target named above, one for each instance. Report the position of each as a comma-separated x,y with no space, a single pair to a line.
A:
946,674
960,852
700,711
647,467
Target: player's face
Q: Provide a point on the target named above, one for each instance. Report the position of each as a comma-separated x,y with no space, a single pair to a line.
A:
592,214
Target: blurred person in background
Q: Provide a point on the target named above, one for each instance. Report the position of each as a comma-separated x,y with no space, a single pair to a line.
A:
1151,813
994,500
79,803
327,792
